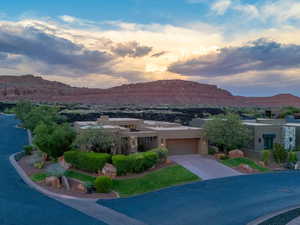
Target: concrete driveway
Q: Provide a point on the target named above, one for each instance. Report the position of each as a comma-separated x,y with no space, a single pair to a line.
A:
204,167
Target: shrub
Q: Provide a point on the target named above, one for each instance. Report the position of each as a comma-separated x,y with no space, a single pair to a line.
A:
292,157
71,157
162,154
224,157
28,149
266,154
55,170
39,165
150,159
137,162
122,163
211,151
88,161
103,184
35,158
279,153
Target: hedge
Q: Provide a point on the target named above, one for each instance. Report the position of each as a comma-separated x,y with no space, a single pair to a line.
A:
88,161
122,163
135,163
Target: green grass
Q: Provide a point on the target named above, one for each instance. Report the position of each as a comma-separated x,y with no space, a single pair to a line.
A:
158,179
162,178
237,161
80,176
38,177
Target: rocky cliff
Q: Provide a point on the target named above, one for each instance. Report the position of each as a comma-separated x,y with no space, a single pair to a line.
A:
179,92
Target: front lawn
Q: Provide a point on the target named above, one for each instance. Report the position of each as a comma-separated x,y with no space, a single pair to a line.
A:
80,176
38,177
165,177
162,178
237,161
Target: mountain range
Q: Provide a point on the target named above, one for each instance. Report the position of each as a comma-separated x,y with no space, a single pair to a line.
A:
176,92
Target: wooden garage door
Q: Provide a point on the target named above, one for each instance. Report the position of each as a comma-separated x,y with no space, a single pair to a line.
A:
182,146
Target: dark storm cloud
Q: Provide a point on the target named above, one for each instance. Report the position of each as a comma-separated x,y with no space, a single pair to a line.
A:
159,54
34,44
259,55
131,49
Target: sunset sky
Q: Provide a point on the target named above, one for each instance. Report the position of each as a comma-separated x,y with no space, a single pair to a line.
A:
249,47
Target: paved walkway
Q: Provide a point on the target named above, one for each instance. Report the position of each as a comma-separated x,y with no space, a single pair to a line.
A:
204,167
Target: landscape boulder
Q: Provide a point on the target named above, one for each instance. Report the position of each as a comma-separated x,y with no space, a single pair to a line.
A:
244,168
236,154
53,181
261,163
109,170
81,187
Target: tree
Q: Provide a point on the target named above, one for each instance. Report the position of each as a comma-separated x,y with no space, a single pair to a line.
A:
22,109
227,132
287,111
97,140
38,114
54,139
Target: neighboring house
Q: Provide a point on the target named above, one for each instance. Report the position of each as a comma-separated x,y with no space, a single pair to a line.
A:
267,132
141,135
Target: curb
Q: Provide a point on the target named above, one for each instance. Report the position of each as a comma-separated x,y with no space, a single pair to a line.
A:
33,185
261,219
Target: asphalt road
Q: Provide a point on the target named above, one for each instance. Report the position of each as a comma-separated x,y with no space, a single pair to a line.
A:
19,204
226,201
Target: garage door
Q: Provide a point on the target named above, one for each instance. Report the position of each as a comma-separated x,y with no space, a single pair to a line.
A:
182,146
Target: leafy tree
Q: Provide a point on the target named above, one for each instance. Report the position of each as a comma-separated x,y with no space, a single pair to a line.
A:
22,109
227,132
38,114
97,140
54,139
286,111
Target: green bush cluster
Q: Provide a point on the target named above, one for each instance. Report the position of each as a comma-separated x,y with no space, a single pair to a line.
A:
103,184
292,157
28,149
266,155
162,154
279,153
122,163
211,151
135,163
87,161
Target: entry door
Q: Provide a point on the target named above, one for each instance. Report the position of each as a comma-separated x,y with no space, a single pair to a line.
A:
268,141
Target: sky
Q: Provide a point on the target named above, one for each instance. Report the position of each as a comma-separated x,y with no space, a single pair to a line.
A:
249,47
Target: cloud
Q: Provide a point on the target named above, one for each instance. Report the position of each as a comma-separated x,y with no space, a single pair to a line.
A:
131,49
220,7
259,55
36,45
159,54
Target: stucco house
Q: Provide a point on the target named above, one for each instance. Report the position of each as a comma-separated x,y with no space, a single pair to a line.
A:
267,132
141,135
